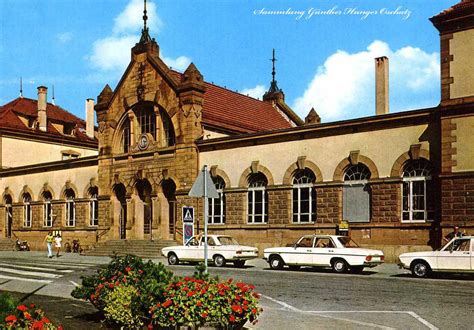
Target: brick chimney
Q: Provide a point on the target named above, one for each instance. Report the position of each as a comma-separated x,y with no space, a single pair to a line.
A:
381,85
90,118
42,101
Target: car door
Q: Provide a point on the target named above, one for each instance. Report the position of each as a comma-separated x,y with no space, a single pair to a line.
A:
301,253
456,255
323,251
193,250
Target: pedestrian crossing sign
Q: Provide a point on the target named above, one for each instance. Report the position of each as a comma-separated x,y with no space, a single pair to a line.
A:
188,214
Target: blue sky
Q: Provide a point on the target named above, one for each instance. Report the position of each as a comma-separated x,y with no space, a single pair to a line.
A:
325,60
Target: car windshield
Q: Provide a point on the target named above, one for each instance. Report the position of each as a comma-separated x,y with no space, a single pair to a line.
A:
227,240
347,242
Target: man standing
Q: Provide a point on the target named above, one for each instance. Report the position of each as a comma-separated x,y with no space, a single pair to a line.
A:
454,233
49,239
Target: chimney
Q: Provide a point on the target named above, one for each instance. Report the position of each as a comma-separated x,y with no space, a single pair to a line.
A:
42,97
90,118
381,85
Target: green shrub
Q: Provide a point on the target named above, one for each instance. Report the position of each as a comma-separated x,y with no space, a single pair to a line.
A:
118,307
7,305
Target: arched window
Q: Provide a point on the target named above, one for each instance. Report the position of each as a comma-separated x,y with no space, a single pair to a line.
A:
217,205
356,194
168,130
93,206
47,209
146,119
304,196
125,140
417,192
27,210
70,207
257,198
8,201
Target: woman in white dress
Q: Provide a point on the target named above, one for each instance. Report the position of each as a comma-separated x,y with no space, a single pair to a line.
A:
57,243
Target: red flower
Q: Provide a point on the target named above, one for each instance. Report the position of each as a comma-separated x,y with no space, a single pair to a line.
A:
45,320
190,293
199,303
150,326
232,318
237,309
22,308
32,306
128,269
37,325
111,285
124,280
60,327
10,318
254,311
167,303
27,315
140,271
204,315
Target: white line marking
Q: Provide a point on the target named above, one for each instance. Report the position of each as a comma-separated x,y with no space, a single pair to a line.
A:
294,309
356,322
57,264
74,283
38,268
422,320
24,272
24,279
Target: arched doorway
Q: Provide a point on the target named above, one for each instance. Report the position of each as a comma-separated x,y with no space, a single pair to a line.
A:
120,193
169,189
7,200
144,190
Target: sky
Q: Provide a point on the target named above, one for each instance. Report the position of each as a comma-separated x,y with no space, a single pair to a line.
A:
325,49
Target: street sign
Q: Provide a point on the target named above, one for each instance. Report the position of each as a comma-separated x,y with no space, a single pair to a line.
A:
188,231
188,214
197,190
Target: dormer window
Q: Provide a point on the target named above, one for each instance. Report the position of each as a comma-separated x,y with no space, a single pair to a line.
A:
68,129
69,154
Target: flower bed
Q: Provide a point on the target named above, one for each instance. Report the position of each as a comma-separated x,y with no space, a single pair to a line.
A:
132,294
24,317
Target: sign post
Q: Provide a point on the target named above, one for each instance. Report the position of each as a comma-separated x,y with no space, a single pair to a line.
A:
188,223
204,187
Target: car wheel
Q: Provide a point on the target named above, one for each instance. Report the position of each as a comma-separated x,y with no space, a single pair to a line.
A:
294,267
356,269
173,259
339,266
420,268
239,263
219,260
276,262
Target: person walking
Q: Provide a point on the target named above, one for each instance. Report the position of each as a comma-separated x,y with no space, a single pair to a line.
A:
49,239
57,243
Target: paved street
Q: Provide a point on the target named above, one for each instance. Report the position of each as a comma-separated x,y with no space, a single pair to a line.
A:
381,298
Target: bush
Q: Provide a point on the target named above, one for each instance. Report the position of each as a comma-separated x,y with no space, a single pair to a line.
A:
118,307
7,305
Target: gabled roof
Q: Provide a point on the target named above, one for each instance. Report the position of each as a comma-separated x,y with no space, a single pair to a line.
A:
236,112
11,112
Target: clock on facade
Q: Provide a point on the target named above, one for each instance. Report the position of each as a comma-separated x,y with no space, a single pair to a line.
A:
143,142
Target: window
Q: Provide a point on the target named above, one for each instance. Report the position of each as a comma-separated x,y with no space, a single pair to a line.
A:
168,129
324,242
257,198
70,208
93,206
304,197
417,192
306,241
27,210
67,156
125,141
47,209
356,194
8,201
146,119
217,205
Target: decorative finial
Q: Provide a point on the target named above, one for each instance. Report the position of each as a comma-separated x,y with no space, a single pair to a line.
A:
273,85
53,100
273,66
145,35
21,87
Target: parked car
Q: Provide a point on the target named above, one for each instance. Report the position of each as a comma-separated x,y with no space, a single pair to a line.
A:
340,253
221,249
457,256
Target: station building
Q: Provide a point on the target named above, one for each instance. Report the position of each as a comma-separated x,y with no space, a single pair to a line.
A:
399,180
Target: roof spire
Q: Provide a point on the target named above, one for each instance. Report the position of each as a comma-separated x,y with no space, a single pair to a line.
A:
273,90
21,87
53,100
145,35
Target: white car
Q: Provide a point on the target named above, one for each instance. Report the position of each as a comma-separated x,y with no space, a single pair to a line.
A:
221,249
338,252
457,256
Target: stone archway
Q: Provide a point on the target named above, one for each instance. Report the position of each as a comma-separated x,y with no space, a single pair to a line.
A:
143,212
120,209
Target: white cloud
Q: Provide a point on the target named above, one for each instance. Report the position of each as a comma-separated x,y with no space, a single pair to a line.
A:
131,19
344,86
64,37
112,53
180,63
256,92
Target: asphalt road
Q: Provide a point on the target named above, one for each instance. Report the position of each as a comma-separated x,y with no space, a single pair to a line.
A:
381,298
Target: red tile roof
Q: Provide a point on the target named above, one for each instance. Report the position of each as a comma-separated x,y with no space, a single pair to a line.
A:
25,107
237,112
463,6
